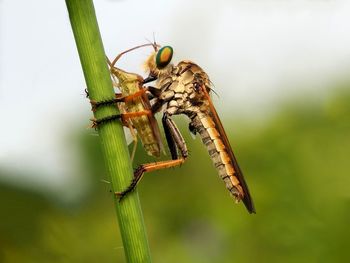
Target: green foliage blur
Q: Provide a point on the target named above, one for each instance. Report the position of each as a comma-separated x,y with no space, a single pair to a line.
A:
297,167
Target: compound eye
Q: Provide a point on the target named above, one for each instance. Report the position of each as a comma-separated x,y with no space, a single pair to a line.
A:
164,56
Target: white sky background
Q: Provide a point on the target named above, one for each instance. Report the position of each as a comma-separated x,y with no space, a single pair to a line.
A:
257,53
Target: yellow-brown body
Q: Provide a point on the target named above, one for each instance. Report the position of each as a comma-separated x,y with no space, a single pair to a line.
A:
145,125
185,90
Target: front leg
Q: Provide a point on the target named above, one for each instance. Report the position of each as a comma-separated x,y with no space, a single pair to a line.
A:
118,98
123,116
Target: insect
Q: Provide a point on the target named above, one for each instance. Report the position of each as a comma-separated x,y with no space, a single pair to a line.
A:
184,89
135,108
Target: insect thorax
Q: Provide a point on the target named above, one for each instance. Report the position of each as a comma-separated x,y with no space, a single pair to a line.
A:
181,89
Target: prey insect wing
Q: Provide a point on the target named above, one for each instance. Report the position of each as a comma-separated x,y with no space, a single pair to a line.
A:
128,136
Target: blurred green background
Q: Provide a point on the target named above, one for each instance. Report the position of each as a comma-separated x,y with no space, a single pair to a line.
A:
296,163
281,69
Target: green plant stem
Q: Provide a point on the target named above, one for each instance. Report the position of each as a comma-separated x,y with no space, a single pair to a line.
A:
98,81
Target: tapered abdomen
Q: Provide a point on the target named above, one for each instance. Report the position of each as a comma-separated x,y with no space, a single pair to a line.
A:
211,138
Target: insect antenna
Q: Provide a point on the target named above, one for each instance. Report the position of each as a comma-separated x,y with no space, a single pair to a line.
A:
110,66
128,50
154,43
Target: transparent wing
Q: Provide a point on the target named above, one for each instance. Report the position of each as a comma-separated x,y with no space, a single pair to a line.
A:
128,136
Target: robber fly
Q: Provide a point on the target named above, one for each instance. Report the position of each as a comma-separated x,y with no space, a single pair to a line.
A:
135,108
184,89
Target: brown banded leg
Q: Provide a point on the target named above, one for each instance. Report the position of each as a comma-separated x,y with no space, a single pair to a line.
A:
118,98
123,116
144,168
96,104
135,95
174,137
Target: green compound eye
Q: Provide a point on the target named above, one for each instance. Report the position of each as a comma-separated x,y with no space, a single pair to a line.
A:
164,56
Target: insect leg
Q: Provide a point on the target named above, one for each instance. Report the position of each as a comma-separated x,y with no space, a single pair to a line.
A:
173,133
157,105
150,78
118,98
175,138
86,93
169,138
134,137
153,92
124,117
97,104
142,169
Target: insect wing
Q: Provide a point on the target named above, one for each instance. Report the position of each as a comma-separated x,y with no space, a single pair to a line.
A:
130,84
153,122
128,136
247,200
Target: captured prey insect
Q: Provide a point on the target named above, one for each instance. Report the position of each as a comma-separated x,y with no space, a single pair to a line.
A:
135,108
137,113
184,89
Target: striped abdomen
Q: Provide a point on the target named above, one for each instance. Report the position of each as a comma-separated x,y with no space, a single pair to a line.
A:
205,126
